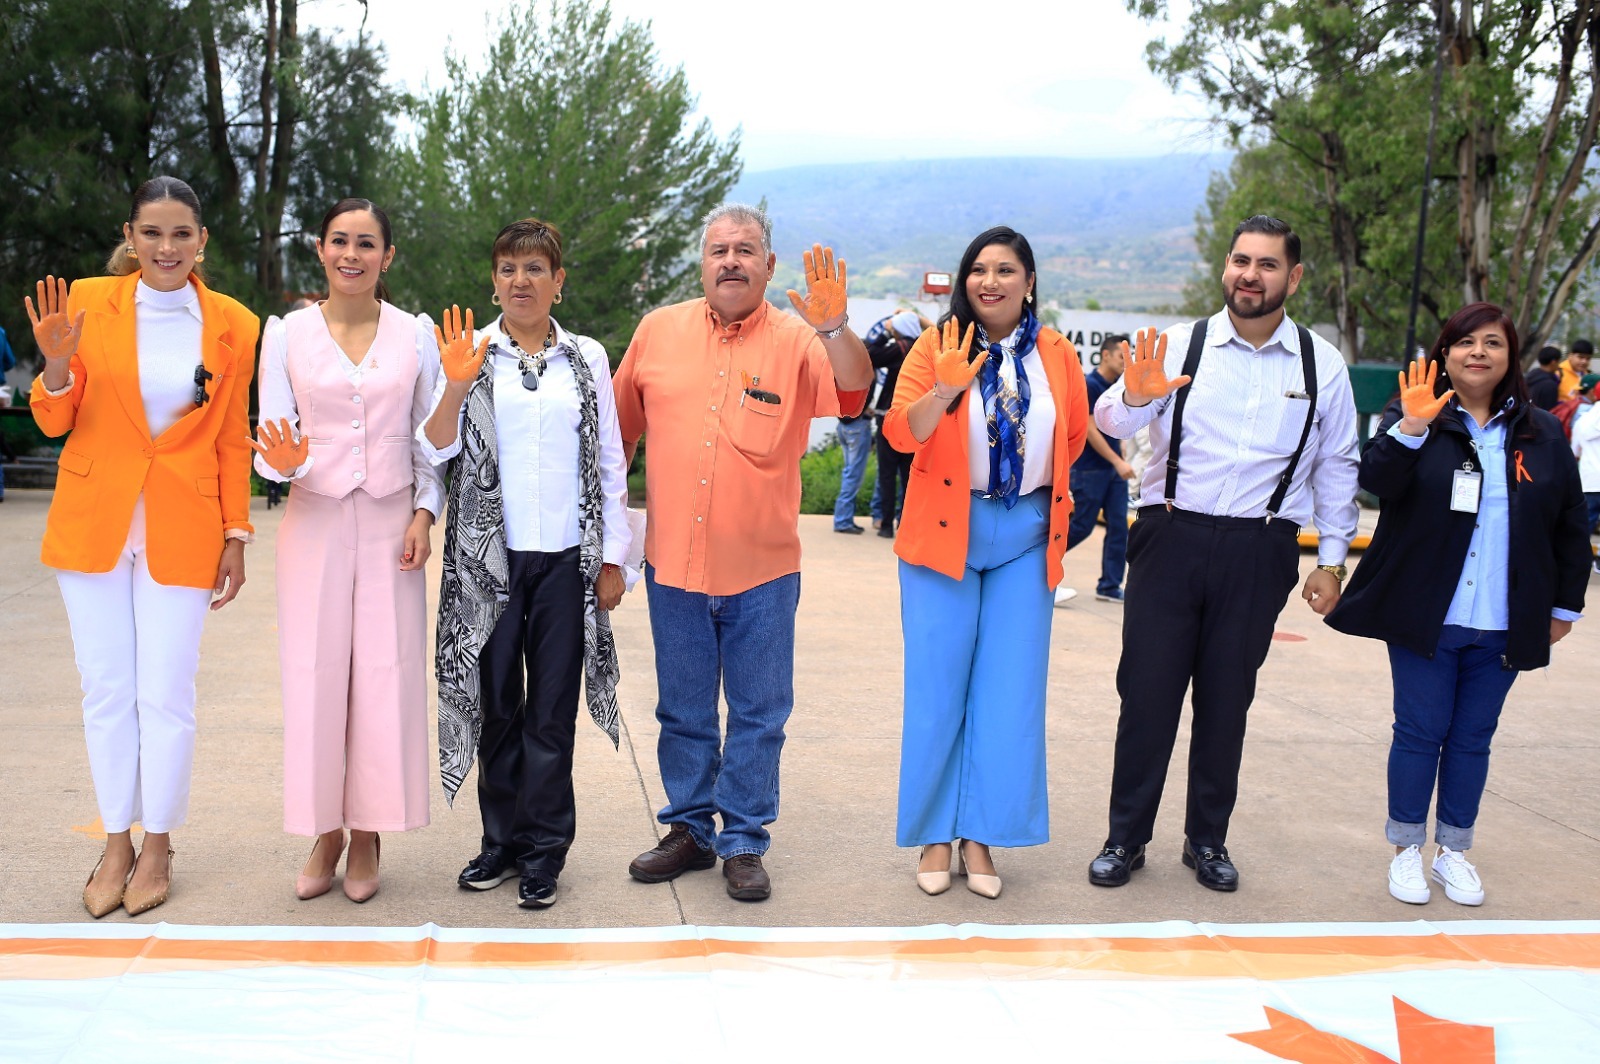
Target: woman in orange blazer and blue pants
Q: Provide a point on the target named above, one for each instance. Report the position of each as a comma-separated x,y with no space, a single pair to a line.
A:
980,547
147,373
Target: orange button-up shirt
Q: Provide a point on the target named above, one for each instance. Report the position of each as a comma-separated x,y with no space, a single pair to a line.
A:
722,470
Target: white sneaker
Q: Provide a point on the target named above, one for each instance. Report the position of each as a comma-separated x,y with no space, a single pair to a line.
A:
1065,594
1406,881
1460,880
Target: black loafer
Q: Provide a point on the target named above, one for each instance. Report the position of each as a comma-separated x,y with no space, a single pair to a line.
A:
536,891
486,871
1115,865
1212,866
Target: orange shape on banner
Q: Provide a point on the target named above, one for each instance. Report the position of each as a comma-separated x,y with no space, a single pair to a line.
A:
1423,1038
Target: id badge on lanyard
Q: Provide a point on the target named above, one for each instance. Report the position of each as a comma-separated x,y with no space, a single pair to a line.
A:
1465,489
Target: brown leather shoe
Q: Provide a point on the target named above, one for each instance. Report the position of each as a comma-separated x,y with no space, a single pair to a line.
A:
674,855
747,880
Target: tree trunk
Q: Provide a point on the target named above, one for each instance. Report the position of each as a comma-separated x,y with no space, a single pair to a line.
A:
1345,241
215,106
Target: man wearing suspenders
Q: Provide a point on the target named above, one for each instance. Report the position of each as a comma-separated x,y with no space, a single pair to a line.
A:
1253,427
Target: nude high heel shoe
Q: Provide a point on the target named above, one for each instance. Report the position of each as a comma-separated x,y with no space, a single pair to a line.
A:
360,890
308,887
137,903
980,884
104,900
936,882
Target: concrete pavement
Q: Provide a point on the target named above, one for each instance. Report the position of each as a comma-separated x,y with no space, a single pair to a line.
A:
1307,836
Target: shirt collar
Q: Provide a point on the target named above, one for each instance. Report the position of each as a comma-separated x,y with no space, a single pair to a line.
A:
496,332
1222,331
186,298
750,323
1469,421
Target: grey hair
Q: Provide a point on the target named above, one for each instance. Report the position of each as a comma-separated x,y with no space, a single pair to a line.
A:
742,213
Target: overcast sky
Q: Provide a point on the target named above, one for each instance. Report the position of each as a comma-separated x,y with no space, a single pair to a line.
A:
831,81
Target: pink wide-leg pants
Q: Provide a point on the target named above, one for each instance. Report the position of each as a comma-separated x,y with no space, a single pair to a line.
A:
351,642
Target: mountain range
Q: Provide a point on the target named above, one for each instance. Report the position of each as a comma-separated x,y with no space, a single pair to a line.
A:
1119,232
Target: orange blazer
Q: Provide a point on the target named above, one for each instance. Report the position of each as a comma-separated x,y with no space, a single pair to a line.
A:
933,530
195,477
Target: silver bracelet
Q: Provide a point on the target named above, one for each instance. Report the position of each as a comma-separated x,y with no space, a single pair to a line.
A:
943,398
835,332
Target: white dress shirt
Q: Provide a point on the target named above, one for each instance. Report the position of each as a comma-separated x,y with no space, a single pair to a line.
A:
168,327
277,401
537,436
1241,424
1038,457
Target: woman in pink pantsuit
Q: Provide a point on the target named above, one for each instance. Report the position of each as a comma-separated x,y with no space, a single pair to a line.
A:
344,385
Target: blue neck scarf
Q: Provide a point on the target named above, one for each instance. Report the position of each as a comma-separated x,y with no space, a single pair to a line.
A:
1007,407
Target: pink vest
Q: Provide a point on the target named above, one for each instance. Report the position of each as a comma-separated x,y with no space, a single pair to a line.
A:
360,435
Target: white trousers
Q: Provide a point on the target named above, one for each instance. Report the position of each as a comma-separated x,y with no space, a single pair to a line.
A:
137,644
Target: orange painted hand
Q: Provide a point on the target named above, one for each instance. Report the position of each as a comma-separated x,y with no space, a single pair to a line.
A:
1417,400
277,446
1145,378
824,304
57,339
456,354
952,373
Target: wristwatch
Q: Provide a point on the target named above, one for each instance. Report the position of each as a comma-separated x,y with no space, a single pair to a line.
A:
1339,572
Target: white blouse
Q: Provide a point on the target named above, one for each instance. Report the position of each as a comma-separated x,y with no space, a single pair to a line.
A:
169,327
1038,457
537,436
277,401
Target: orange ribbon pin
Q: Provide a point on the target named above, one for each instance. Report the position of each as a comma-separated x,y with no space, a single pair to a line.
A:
1522,472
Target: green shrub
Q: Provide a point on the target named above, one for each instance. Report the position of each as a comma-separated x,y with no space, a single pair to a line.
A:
820,470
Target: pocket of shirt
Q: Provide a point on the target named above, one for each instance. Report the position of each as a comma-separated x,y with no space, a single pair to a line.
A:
756,426
1290,426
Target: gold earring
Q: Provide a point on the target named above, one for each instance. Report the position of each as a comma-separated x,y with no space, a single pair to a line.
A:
495,299
558,295
1030,297
199,257
132,254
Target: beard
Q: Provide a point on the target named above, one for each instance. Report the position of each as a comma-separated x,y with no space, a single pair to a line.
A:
1270,303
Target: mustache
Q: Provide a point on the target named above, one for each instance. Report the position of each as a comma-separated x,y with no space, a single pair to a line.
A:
736,275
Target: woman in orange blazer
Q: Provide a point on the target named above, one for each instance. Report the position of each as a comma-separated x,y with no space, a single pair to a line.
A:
148,372
980,546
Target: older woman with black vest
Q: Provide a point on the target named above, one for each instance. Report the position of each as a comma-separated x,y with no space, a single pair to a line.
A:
1477,567
344,384
533,554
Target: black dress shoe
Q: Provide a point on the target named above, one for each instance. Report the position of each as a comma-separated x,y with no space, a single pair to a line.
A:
1212,866
1115,865
486,871
851,530
536,891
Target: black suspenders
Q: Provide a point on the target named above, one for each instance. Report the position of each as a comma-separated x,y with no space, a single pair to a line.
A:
1191,363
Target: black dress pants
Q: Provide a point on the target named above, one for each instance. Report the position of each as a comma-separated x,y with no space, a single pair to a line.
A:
530,671
1203,595
894,473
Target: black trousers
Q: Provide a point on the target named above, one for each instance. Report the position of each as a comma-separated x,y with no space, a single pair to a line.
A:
1203,595
894,473
530,672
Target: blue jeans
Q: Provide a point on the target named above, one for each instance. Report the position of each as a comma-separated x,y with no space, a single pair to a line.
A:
977,653
1592,500
856,439
1094,490
744,645
1445,713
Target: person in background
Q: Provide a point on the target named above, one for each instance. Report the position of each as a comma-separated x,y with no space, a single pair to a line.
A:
980,550
1544,378
888,343
8,359
352,377
1586,446
726,387
855,440
147,373
1477,567
1574,367
1100,482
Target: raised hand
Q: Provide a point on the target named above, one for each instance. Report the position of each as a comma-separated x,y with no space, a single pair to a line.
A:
460,360
952,373
278,448
824,304
57,340
1417,401
1145,378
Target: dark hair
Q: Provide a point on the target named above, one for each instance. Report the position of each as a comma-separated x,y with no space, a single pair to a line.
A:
1466,321
1114,340
1549,356
530,236
155,190
1582,347
356,203
1270,226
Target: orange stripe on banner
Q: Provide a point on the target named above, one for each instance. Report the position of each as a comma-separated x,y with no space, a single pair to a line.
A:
1191,956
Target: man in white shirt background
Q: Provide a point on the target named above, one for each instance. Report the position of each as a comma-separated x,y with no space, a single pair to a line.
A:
1261,442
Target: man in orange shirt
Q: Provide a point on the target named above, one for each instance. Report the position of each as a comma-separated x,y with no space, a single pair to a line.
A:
727,386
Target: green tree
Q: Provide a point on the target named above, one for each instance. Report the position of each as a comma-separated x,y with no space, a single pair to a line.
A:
567,117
